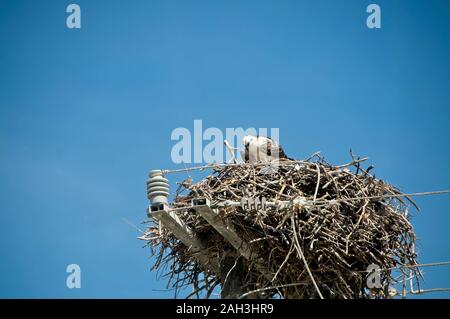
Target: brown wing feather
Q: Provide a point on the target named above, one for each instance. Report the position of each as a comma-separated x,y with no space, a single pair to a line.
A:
271,146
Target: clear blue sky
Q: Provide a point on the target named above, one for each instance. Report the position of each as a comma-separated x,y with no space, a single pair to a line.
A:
84,114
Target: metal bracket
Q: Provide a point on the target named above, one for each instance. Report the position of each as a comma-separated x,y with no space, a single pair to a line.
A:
171,221
202,206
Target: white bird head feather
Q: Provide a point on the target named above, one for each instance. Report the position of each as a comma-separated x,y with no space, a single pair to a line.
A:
249,139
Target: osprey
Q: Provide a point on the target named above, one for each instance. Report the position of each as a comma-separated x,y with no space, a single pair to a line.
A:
261,149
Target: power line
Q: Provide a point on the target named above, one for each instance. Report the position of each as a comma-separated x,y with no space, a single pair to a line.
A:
301,201
442,263
285,162
221,165
424,291
439,192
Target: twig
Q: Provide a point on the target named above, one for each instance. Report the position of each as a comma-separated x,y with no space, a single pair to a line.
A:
302,257
271,288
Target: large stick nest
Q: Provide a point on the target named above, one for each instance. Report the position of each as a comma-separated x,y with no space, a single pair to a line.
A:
353,220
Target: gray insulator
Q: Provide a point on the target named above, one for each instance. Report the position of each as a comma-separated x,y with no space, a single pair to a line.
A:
157,188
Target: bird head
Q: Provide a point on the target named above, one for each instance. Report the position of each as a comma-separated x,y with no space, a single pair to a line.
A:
249,139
